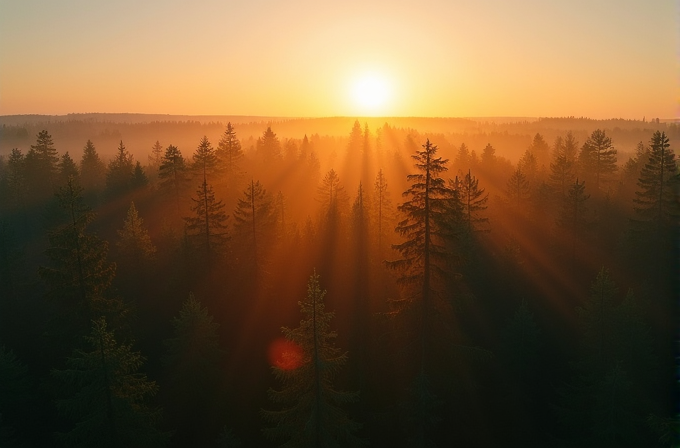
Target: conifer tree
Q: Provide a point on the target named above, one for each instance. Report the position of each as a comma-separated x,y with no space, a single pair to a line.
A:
92,169
473,201
656,200
14,393
333,199
205,160
541,151
489,156
139,179
156,157
16,179
108,401
67,168
254,221
382,204
208,226
229,155
79,274
120,172
561,168
42,167
269,146
356,139
573,214
134,244
311,413
173,173
597,159
518,188
424,256
462,160
193,365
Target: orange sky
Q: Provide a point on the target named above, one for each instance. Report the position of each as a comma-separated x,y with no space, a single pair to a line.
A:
595,58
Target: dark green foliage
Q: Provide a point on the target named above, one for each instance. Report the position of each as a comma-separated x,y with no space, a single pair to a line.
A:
42,167
120,173
521,343
106,395
311,415
92,169
208,226
597,159
193,363
173,174
656,200
139,178
79,273
135,244
67,168
573,213
518,188
254,222
15,392
16,179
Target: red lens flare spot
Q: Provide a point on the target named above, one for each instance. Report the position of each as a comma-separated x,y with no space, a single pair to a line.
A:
285,355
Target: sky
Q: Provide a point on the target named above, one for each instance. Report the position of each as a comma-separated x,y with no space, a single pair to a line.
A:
310,58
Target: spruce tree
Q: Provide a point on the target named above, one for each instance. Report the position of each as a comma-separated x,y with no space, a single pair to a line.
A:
473,200
269,146
562,169
79,275
67,168
311,415
173,174
134,243
656,200
254,222
42,168
229,155
16,179
120,173
108,396
205,160
193,363
333,199
422,266
382,204
597,159
92,169
208,226
518,188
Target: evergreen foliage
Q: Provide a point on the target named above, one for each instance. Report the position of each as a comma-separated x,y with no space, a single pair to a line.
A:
518,188
42,168
597,159
473,200
311,413
67,168
254,221
208,226
205,160
92,168
269,146
109,395
173,173
120,173
134,242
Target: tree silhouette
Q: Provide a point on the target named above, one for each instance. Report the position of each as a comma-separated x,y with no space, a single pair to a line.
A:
67,168
229,155
473,200
254,222
42,167
120,173
311,413
173,173
209,223
518,187
92,169
382,204
423,259
268,146
135,244
193,365
108,401
597,158
561,169
79,275
656,200
205,160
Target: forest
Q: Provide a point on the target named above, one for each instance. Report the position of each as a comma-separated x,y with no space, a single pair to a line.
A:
338,282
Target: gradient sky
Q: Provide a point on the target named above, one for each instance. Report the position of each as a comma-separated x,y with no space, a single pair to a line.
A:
595,58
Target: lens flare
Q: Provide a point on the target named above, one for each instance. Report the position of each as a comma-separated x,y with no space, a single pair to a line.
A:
285,354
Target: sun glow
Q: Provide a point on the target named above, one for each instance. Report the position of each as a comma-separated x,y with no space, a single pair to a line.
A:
371,93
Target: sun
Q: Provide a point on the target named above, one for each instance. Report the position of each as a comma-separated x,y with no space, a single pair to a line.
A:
371,92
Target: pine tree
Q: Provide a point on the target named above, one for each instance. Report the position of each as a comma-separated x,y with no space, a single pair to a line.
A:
489,158
656,199
120,173
254,221
208,226
205,160
541,151
92,169
67,168
518,188
333,199
311,414
79,275
42,167
229,155
134,244
473,201
139,179
356,140
382,204
16,179
193,368
156,157
423,253
597,159
462,160
108,401
173,173
561,168
268,146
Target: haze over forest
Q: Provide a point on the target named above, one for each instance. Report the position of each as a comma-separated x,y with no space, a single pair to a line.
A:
433,223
